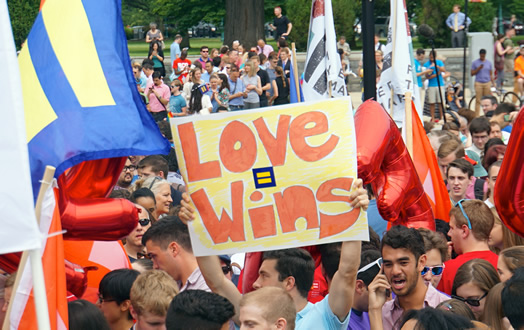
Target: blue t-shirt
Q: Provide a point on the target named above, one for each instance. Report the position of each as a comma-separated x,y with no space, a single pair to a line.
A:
235,87
319,316
375,220
175,52
176,103
484,74
418,69
433,81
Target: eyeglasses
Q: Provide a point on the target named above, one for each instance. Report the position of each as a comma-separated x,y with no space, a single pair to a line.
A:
101,299
204,51
377,262
470,301
131,168
140,255
144,222
435,270
459,203
226,269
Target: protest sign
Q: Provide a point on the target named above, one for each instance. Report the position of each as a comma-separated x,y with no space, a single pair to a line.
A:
270,178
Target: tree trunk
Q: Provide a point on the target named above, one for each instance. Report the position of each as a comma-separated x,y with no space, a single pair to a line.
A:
244,22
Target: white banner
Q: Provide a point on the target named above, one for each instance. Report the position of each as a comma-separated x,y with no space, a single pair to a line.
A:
18,222
322,60
398,72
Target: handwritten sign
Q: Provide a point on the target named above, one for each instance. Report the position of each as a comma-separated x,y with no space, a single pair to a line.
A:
270,178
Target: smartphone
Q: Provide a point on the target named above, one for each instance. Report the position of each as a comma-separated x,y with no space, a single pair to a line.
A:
506,118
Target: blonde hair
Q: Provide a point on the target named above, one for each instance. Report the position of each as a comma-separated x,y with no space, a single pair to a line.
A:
509,238
494,314
513,257
152,292
253,71
274,302
152,183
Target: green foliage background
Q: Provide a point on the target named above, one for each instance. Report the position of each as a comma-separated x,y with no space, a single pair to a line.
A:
22,15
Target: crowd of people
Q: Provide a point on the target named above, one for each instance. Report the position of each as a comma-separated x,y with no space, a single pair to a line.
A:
467,274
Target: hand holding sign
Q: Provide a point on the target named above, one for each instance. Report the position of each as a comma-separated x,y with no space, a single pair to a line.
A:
244,185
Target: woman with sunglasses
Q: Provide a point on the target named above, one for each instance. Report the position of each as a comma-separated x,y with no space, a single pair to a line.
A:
162,190
472,283
133,244
437,253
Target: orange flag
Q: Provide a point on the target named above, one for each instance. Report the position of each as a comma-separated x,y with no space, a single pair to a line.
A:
428,171
23,312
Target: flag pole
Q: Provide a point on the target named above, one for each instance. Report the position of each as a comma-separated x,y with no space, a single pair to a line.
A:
295,71
409,123
42,312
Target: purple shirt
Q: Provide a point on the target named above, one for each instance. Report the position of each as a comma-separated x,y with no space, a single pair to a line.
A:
484,74
358,320
391,311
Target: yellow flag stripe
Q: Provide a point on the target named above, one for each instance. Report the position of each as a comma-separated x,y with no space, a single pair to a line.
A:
263,174
37,109
262,181
72,40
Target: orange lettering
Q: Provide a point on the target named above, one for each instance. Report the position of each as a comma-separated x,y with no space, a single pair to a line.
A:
241,159
333,224
298,134
221,230
275,146
263,221
196,171
293,203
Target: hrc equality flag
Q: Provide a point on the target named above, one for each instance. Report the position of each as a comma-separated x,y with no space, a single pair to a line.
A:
81,101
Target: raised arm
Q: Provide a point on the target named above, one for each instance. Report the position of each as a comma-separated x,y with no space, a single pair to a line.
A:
342,286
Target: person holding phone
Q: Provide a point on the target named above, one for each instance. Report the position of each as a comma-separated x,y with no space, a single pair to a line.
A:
403,260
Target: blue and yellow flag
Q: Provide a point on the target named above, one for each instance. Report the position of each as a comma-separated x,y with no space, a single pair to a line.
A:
80,97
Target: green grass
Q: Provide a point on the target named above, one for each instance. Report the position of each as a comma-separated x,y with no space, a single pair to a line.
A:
141,48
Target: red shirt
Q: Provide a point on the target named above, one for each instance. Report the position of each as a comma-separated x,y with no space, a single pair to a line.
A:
451,267
319,289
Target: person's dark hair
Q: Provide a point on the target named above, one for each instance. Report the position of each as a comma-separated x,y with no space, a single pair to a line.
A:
340,51
480,124
225,81
159,48
294,262
468,114
435,319
330,256
165,129
492,155
400,237
462,165
84,315
421,51
374,241
197,64
142,192
157,74
195,100
493,142
157,163
216,61
198,310
482,51
224,50
234,67
504,108
366,258
262,57
513,299
442,227
168,229
434,240
477,271
117,284
204,47
252,54
492,98
120,193
147,64
282,42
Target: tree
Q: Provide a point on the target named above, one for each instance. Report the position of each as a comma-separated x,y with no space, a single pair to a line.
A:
22,15
244,21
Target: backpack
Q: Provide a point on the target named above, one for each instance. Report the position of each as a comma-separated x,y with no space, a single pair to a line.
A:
499,60
478,188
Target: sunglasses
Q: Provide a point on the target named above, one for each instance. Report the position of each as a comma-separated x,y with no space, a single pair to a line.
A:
435,270
470,301
144,222
459,203
101,299
131,168
226,269
377,262
157,178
